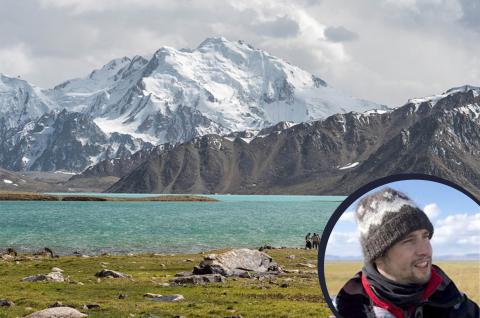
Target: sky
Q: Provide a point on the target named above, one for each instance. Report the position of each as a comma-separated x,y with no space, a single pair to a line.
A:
455,218
386,51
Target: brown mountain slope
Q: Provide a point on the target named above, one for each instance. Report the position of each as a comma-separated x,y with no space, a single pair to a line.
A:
440,138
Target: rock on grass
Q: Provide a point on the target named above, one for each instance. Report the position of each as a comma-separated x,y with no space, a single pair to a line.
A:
198,279
57,312
6,303
110,273
236,262
51,277
166,298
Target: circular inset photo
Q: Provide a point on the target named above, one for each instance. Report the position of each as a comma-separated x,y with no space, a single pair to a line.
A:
403,247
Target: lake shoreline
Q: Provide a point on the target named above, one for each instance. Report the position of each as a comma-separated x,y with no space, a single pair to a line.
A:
35,250
32,196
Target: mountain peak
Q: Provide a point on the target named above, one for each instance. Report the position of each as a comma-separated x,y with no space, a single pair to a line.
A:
462,89
435,98
224,46
215,40
111,68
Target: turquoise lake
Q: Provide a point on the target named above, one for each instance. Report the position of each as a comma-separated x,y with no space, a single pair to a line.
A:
163,227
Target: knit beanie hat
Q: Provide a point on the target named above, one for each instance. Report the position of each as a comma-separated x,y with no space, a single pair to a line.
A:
386,217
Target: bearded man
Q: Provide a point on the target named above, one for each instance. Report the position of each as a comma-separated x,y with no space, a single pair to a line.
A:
398,279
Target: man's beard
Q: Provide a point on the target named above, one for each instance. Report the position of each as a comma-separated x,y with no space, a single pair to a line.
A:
401,295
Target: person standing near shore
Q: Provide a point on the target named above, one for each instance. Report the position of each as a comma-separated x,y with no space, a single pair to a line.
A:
308,241
316,241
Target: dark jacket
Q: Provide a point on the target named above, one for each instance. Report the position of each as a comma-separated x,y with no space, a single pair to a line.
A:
441,297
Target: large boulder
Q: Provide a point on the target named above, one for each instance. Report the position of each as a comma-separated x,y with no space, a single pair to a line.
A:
237,262
57,312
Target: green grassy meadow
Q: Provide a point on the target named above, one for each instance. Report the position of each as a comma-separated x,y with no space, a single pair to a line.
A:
247,297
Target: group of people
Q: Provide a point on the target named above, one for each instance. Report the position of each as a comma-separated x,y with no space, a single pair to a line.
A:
312,241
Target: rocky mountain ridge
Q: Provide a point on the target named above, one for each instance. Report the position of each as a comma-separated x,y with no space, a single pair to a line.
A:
220,87
438,136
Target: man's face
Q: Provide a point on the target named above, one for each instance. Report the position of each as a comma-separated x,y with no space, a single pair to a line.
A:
408,261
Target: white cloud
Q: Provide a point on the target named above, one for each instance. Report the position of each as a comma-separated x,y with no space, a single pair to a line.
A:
344,244
402,49
347,216
458,233
431,210
15,60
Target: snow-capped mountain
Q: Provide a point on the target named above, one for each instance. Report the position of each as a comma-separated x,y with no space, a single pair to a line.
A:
67,141
219,87
20,102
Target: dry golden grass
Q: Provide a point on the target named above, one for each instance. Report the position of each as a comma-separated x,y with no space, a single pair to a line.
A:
465,274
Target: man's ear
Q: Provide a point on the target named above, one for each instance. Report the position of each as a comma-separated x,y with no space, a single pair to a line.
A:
379,262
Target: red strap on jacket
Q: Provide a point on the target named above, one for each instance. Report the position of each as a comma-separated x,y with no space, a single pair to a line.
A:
433,283
396,311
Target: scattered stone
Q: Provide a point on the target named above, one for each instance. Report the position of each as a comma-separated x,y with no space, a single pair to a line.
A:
284,285
56,269
91,306
266,247
50,252
122,296
165,285
236,262
306,265
11,251
6,303
246,275
291,271
183,274
109,273
166,298
7,257
56,304
51,277
291,256
163,265
177,316
64,312
198,279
